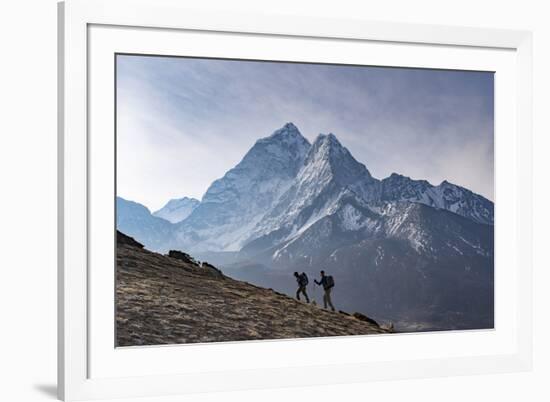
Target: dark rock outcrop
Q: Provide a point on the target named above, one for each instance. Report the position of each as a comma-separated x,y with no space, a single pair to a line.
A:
363,317
180,255
213,269
121,238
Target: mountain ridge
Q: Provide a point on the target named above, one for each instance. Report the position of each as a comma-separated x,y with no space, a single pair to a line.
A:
235,202
177,209
283,183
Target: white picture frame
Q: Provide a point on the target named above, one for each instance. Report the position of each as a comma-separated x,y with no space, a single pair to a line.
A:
88,367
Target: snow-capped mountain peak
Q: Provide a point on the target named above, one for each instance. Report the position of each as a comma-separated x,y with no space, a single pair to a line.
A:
329,157
233,204
328,174
176,210
278,156
446,196
284,185
286,146
289,132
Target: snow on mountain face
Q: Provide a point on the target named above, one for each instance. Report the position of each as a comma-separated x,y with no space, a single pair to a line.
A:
234,204
446,196
284,185
329,172
430,232
401,188
347,221
178,209
463,202
328,161
437,232
329,158
271,159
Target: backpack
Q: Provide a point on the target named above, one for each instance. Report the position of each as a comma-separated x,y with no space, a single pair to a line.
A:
330,281
304,280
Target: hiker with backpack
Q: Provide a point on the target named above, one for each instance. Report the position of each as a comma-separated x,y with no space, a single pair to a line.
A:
303,281
327,281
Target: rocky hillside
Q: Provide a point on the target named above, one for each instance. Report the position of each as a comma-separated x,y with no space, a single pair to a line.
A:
173,299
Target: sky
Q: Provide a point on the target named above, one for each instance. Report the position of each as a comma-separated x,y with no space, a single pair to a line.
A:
183,122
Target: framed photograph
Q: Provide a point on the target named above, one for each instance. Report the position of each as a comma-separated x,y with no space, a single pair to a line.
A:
252,201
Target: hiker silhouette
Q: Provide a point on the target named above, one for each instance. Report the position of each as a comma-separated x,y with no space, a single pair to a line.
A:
303,281
327,281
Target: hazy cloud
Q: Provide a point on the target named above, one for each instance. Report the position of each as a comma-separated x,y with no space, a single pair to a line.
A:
183,122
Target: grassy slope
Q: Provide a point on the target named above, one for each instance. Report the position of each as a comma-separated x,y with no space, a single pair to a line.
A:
162,300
